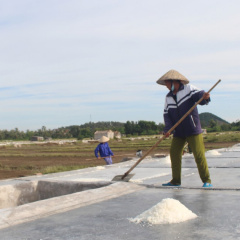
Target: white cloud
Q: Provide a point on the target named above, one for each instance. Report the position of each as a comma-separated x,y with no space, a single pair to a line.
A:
70,59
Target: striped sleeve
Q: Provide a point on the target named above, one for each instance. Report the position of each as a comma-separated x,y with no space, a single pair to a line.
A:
166,117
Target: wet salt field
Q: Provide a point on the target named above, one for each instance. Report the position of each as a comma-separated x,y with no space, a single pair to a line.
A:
106,212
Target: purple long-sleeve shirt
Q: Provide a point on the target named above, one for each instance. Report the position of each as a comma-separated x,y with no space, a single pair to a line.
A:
176,106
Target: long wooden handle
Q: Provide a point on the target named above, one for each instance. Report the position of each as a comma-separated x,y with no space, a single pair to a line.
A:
169,131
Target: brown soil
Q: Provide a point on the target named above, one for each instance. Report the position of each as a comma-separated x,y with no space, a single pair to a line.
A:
216,145
18,166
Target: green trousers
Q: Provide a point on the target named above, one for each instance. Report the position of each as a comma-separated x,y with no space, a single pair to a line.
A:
197,145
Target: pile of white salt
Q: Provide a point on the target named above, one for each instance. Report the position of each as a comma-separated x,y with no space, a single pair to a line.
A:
213,153
167,211
100,167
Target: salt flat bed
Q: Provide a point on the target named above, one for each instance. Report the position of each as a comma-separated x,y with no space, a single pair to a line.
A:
104,212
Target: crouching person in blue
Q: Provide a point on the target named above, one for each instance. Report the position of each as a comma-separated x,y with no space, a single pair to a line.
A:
180,98
104,150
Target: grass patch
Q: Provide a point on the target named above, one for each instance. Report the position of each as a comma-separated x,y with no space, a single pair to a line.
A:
222,137
55,169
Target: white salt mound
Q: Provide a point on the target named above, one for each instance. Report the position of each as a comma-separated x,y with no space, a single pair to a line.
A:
213,153
167,211
168,159
100,167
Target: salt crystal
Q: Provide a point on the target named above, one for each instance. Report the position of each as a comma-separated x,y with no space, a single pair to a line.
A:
100,167
167,211
213,153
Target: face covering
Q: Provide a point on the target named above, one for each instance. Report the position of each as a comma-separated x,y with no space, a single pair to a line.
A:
172,88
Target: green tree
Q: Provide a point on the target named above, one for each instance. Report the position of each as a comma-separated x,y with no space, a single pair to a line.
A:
129,127
85,133
225,127
212,123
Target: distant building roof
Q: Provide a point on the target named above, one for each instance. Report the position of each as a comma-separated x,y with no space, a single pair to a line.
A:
103,131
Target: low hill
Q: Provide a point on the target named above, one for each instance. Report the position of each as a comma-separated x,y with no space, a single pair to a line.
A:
206,118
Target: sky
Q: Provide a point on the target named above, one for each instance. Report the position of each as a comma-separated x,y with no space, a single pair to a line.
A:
69,62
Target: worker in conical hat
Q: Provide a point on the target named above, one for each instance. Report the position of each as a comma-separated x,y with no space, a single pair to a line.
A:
180,98
104,150
172,75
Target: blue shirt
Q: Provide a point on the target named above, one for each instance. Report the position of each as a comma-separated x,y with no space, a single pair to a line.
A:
104,150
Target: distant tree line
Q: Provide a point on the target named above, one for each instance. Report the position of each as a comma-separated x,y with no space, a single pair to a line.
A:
143,128
214,126
130,128
76,131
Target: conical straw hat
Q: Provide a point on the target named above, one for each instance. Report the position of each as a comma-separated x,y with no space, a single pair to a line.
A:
172,75
104,139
